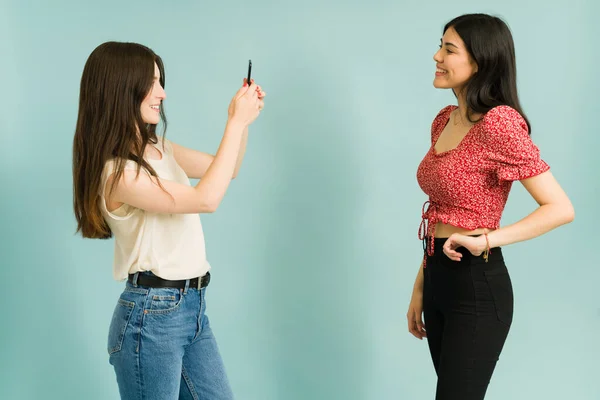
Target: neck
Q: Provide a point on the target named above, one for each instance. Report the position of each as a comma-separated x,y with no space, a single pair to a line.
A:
462,106
463,109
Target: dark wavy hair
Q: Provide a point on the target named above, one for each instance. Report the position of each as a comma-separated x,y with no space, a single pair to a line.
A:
489,42
116,78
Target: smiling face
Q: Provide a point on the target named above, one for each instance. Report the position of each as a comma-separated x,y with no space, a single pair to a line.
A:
455,65
150,108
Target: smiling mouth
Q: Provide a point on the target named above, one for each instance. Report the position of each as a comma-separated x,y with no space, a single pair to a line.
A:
155,108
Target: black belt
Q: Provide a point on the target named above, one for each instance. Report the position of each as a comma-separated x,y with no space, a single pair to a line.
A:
157,282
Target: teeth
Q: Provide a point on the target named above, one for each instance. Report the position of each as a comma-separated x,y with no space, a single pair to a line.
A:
155,107
441,70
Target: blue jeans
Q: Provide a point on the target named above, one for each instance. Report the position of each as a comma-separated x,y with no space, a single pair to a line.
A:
161,346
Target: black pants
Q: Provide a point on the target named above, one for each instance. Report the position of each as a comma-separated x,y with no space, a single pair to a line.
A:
468,308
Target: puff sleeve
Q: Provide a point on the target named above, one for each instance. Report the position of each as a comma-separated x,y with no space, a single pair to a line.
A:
510,147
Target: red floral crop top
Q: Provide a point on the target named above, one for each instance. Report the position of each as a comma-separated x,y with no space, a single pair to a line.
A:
468,186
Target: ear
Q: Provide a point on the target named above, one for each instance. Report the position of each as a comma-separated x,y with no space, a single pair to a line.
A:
472,63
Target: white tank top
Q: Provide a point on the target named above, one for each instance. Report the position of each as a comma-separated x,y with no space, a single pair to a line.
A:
170,245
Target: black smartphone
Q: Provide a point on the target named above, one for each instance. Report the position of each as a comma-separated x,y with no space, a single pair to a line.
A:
249,71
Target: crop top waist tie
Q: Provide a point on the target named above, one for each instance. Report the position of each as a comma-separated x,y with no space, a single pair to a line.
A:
429,220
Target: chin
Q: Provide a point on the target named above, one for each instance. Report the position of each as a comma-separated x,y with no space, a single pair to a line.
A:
151,121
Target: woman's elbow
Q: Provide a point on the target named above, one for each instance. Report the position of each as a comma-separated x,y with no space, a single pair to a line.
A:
567,213
209,208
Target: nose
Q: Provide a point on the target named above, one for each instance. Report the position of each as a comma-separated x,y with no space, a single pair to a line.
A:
161,93
437,57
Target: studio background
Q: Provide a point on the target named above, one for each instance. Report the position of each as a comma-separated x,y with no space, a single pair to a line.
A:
314,249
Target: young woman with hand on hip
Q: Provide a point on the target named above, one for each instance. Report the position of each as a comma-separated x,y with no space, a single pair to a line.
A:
134,185
478,149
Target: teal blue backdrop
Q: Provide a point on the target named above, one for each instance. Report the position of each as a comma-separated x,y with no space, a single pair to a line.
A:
314,249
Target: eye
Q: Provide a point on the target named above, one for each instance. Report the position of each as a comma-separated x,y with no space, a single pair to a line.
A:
449,52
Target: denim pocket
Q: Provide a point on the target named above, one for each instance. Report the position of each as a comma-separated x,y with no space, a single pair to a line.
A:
498,281
163,301
118,325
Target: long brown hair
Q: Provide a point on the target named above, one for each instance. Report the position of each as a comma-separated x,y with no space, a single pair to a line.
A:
116,79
